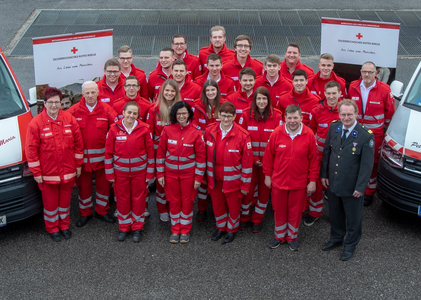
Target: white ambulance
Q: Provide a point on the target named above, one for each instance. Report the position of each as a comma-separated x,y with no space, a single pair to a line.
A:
20,197
399,173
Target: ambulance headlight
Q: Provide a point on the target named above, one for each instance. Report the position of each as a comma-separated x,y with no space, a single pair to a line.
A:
391,156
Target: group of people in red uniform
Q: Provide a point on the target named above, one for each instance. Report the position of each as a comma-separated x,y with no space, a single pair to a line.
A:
220,126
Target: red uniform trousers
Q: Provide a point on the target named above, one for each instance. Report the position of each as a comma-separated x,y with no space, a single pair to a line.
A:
180,194
314,203
202,197
102,187
288,206
56,200
226,207
258,196
161,200
131,195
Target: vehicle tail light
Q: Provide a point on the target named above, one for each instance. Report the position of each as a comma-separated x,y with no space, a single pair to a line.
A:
391,156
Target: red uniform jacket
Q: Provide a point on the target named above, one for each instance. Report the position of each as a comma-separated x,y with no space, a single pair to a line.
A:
94,127
143,81
260,131
143,103
156,78
320,118
190,91
155,126
129,155
232,68
225,53
200,117
194,69
54,148
306,101
241,102
230,159
280,86
285,70
181,153
316,85
291,163
106,94
226,84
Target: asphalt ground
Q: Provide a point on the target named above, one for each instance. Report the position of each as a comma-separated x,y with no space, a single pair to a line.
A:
93,265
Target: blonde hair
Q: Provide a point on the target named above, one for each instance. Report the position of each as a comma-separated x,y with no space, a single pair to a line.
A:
164,109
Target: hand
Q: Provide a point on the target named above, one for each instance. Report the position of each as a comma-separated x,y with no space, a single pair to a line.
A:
244,192
147,179
197,184
38,179
311,187
258,164
357,194
268,181
78,171
111,180
161,181
325,182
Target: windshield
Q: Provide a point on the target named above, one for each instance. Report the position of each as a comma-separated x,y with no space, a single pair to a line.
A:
10,101
414,96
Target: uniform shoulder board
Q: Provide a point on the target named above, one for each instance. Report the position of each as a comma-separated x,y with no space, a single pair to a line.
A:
334,121
366,129
369,131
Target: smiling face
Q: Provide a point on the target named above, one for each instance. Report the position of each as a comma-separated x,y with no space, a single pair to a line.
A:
166,59
90,93
179,73
325,67
368,74
112,74
242,48
293,122
179,46
217,39
247,83
261,102
214,67
125,59
182,116
52,105
131,86
226,119
292,55
332,96
348,115
299,83
272,69
130,114
169,93
211,92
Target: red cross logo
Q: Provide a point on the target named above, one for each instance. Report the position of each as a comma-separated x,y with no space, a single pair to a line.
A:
74,50
359,35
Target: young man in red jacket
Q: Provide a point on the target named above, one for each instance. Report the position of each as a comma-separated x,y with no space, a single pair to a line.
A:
95,119
162,72
125,58
110,87
273,80
316,84
241,60
291,169
189,90
179,47
292,62
217,39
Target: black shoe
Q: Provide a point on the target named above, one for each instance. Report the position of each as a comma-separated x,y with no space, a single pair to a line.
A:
122,236
368,200
67,234
229,237
293,245
330,245
274,243
137,236
83,221
309,221
55,236
201,216
106,218
256,228
217,235
242,226
347,255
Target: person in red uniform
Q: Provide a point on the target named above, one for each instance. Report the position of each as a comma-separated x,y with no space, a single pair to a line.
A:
241,60
131,86
376,105
125,58
180,168
179,46
130,164
291,169
322,115
226,84
162,72
292,62
229,170
243,97
217,39
206,112
259,120
316,84
299,95
94,119
111,85
273,80
158,116
54,150
189,90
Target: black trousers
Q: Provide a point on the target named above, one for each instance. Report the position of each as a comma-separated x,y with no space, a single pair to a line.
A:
346,219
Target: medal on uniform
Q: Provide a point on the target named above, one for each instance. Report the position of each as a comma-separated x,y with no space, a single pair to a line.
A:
354,148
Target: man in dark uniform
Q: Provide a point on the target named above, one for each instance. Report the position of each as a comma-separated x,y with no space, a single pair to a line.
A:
348,158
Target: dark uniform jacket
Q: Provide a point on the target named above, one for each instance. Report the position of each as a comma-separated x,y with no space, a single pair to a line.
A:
348,166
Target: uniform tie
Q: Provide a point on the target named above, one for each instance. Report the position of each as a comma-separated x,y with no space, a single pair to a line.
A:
345,131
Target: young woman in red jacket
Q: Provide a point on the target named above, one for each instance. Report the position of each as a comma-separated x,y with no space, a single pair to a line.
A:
206,110
130,164
259,120
181,162
158,116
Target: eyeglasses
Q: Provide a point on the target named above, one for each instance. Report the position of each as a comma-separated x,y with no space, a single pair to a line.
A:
182,114
133,86
241,46
179,44
367,72
53,103
226,116
126,58
112,72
